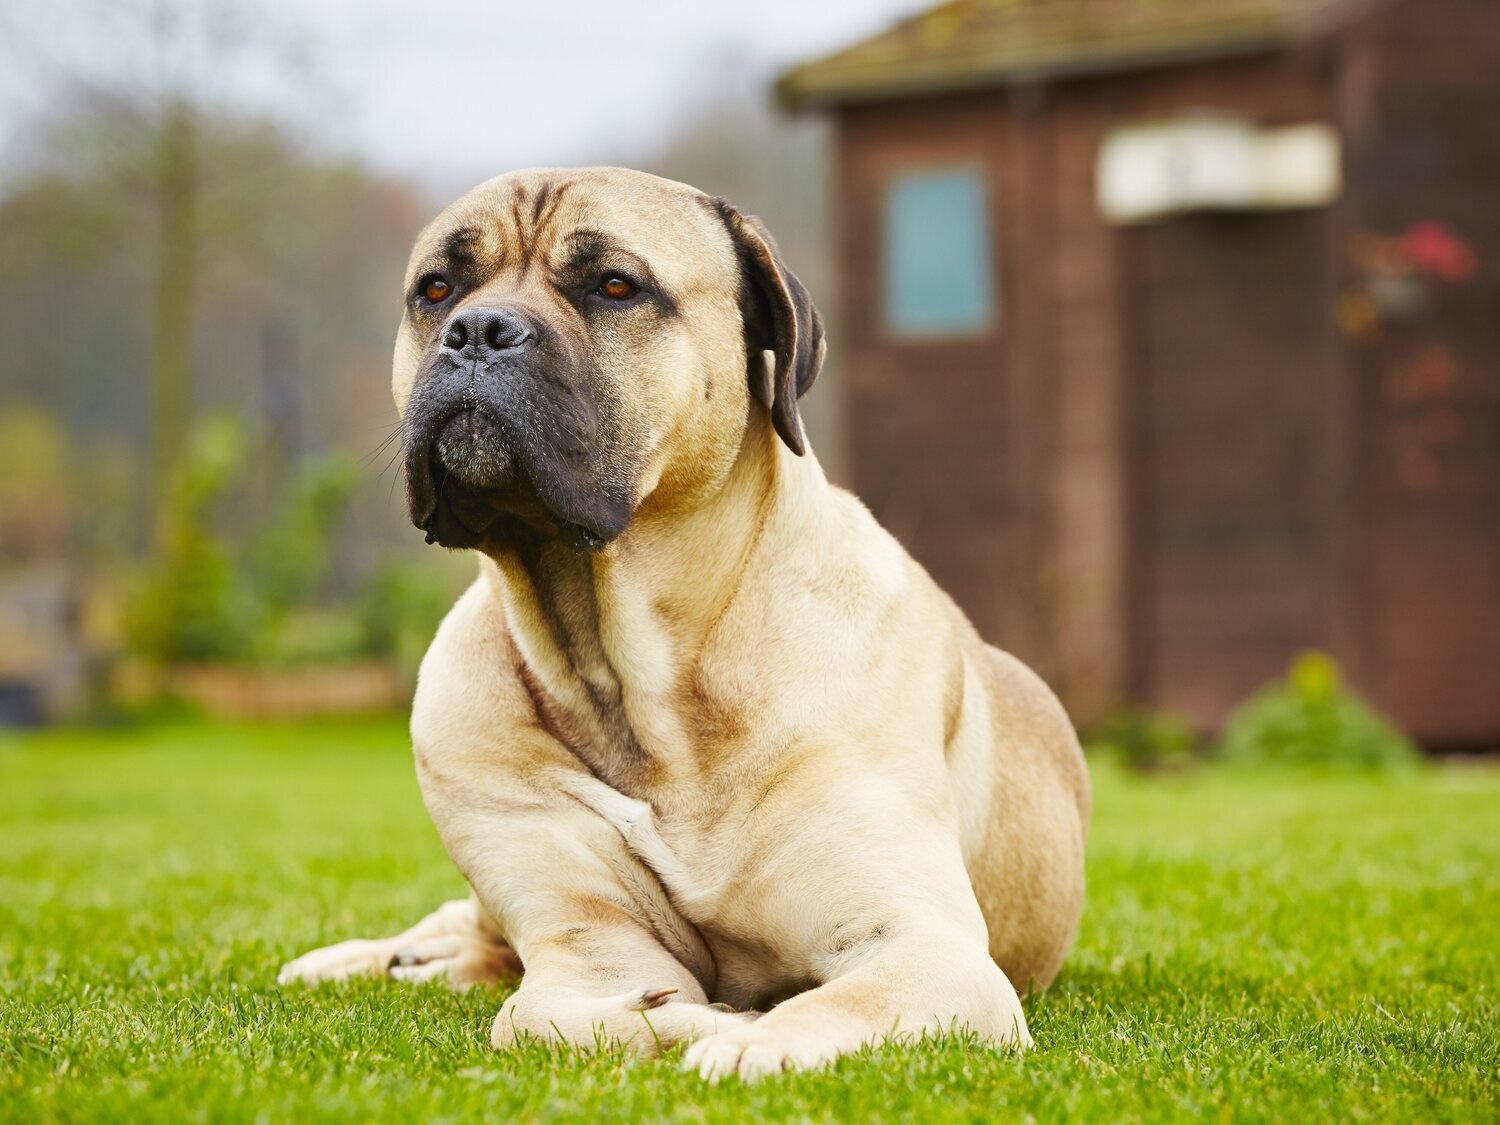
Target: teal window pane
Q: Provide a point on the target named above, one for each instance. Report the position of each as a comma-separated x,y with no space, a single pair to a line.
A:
937,253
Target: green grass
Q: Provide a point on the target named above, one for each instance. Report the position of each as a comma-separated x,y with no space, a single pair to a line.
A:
1261,946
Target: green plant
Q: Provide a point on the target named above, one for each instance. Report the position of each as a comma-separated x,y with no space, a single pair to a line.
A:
289,557
400,608
1147,740
1310,718
212,596
188,605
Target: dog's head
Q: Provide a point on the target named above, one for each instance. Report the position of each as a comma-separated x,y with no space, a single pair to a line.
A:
576,343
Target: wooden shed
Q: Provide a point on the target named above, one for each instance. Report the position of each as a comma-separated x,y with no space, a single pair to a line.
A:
1171,332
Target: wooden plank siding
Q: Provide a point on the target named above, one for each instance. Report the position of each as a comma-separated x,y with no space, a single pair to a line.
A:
1230,347
936,446
1428,149
1085,570
1229,358
996,459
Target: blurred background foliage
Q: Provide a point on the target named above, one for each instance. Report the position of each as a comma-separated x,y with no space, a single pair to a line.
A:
1307,720
253,580
258,533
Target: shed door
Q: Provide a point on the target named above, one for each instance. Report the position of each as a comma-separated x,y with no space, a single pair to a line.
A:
1229,330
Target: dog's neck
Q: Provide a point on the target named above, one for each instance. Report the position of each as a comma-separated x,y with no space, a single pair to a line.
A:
611,641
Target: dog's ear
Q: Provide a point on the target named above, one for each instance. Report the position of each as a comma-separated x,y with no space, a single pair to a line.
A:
780,318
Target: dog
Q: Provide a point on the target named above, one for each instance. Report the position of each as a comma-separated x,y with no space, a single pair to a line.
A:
721,764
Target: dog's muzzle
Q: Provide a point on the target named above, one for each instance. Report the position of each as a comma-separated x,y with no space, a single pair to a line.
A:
501,433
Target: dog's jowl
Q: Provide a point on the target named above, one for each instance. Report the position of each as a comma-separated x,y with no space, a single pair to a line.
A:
720,763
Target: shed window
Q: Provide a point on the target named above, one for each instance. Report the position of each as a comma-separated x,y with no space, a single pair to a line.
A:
936,254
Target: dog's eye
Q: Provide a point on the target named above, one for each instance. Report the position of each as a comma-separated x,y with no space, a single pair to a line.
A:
436,290
617,288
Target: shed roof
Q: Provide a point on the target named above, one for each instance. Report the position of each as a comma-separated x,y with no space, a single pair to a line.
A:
966,44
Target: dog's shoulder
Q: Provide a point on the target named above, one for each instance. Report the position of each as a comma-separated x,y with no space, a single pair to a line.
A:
830,535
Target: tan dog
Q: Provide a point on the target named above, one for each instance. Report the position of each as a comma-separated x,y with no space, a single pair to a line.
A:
702,737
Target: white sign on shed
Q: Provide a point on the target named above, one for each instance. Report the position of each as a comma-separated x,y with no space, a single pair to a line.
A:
1215,164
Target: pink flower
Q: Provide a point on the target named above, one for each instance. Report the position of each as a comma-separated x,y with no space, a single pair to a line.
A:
1433,249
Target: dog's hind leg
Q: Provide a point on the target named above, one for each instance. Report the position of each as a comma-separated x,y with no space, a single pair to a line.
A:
457,943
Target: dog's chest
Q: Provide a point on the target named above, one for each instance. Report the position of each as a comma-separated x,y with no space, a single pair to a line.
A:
715,845
719,871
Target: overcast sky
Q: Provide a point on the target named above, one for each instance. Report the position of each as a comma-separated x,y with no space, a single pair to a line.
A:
453,90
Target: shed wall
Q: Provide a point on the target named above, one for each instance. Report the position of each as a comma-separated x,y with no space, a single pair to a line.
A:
1421,91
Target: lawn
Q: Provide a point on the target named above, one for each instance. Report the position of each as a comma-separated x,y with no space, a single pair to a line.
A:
1255,946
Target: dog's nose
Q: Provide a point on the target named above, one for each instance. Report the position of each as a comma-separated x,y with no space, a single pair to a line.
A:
486,328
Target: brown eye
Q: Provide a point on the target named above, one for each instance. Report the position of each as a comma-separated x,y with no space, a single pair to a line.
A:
436,290
617,288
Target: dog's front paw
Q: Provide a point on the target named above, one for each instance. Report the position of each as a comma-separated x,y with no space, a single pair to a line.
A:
337,962
752,1052
456,962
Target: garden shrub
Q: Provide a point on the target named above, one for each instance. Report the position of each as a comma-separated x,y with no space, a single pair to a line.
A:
252,597
1147,740
1311,718
400,608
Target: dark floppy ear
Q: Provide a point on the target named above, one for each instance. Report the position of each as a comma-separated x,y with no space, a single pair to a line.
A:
780,318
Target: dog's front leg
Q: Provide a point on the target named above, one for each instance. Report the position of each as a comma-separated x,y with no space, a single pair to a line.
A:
607,958
457,943
910,983
583,985
885,919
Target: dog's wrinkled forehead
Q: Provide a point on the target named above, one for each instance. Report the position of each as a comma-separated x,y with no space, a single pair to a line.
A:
531,221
